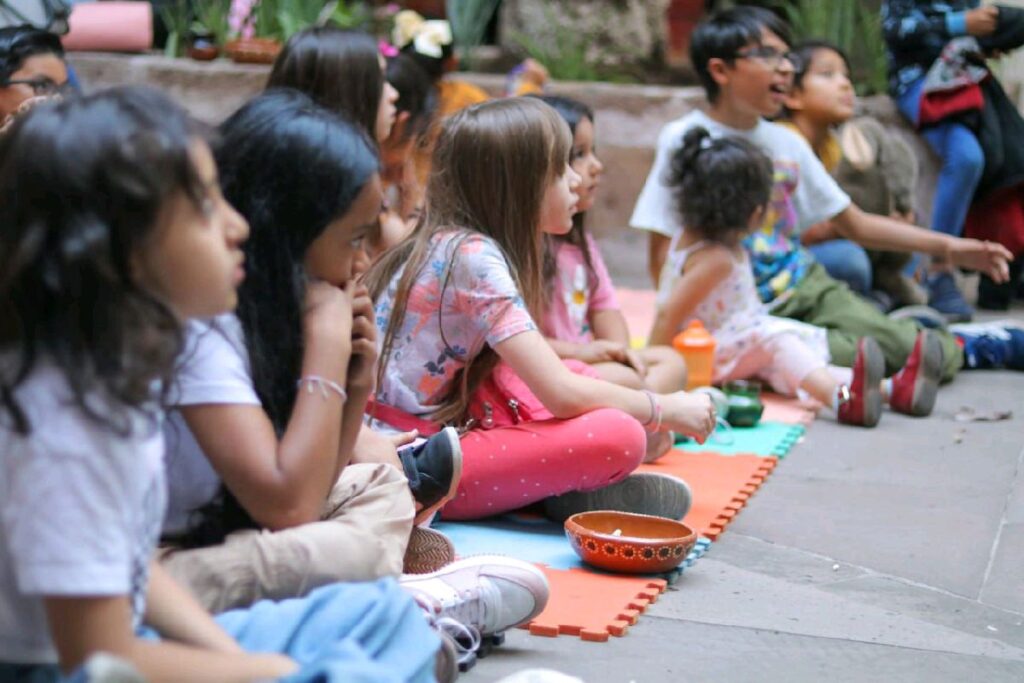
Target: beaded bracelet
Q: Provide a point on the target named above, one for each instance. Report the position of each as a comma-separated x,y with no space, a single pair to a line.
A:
324,384
655,412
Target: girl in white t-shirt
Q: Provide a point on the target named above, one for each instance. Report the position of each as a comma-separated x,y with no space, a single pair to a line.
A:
463,293
112,231
723,187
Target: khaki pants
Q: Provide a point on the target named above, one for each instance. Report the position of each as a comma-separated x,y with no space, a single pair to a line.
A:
364,530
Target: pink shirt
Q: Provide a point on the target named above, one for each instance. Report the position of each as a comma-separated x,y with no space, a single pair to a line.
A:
577,292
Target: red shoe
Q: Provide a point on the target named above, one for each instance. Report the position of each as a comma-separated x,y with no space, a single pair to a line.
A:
915,387
864,405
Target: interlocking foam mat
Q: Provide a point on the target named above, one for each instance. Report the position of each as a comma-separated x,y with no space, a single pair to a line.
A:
593,606
765,439
534,539
721,485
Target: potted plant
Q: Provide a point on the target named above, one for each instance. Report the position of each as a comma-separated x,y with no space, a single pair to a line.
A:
209,29
259,34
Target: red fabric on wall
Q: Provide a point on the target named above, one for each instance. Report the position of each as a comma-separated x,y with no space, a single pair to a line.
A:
1000,218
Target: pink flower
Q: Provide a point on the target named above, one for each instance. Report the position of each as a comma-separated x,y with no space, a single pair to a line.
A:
241,19
387,49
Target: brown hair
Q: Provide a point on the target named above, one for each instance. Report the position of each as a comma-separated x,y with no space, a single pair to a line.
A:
339,69
491,168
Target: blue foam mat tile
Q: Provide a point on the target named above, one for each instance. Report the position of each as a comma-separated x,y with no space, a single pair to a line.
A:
535,540
767,439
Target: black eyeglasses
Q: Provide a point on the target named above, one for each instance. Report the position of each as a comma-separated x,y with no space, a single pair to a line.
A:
41,86
771,57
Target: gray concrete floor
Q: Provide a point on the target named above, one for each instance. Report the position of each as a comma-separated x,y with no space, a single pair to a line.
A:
890,554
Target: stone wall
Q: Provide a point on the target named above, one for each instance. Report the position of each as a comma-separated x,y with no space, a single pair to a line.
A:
629,118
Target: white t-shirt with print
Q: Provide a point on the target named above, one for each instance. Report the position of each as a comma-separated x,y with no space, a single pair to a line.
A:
80,512
213,369
817,196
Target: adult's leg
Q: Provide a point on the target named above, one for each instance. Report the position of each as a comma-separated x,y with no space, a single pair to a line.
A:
962,165
360,633
845,261
822,301
508,467
366,523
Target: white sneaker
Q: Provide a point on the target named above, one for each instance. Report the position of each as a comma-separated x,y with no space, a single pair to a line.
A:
488,593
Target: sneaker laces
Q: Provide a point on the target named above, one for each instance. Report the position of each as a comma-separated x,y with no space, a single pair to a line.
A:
465,638
468,607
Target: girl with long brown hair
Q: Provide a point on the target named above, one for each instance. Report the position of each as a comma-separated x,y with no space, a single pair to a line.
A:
456,305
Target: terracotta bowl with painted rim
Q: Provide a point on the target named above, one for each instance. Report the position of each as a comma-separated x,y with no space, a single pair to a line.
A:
629,543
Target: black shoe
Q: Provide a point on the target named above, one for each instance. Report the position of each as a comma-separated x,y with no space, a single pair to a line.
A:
433,469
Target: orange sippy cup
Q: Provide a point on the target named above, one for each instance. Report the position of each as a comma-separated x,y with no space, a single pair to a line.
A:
698,349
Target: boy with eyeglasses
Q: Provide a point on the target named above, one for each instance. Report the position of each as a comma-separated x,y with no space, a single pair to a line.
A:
32,69
743,58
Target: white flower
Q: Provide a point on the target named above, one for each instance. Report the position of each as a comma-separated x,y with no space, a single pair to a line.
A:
432,36
407,25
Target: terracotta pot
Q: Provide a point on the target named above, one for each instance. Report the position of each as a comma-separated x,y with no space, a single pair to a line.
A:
253,50
629,543
203,51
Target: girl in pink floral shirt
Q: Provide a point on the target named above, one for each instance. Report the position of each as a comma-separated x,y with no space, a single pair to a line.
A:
461,295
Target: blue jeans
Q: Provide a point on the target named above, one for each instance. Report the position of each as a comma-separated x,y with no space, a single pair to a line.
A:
845,261
348,632
962,164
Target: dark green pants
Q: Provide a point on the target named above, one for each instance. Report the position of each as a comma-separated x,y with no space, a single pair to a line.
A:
820,300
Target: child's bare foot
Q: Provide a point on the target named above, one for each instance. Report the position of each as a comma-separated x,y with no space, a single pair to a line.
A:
658,444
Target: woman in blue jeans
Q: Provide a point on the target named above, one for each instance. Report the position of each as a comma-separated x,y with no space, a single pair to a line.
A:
915,33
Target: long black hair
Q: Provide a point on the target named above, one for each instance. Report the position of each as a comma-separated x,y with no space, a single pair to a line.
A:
82,184
339,69
18,43
573,111
291,168
719,183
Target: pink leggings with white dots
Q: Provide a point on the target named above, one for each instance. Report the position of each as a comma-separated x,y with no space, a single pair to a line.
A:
509,467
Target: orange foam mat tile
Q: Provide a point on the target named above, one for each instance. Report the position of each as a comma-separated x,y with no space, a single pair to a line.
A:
593,606
721,484
788,410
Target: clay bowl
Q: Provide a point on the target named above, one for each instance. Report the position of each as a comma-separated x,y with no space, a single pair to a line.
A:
645,544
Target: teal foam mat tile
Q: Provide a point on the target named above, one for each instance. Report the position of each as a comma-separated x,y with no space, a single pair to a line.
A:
765,439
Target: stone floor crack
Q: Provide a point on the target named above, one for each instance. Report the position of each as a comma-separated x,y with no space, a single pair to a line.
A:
1002,523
